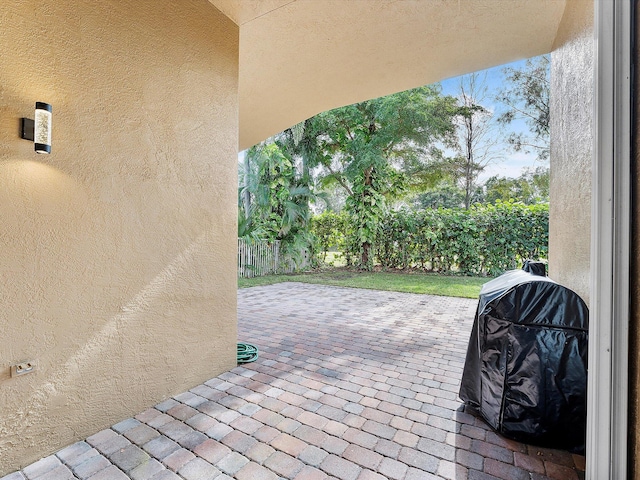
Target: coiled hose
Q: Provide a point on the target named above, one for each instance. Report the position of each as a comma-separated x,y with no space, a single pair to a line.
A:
247,353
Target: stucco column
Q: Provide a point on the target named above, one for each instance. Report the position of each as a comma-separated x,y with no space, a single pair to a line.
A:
572,93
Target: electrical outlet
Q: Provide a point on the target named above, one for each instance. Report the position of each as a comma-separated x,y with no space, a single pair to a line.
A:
23,368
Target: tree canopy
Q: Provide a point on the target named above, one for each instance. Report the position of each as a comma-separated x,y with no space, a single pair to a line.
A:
526,95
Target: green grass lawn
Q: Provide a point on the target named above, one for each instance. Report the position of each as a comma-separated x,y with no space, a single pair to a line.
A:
451,286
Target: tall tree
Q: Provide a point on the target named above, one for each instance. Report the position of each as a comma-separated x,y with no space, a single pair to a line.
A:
368,144
526,95
477,136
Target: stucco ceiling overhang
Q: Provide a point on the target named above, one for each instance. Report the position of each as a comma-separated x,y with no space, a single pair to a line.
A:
301,57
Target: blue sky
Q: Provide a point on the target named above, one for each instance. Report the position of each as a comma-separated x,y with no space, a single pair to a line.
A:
513,163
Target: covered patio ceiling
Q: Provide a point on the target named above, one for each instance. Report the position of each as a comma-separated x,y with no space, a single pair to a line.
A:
302,57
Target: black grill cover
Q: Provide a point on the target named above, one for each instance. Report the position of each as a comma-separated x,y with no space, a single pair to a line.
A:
526,365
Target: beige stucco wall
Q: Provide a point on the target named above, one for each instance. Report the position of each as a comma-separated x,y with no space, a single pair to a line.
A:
572,91
118,250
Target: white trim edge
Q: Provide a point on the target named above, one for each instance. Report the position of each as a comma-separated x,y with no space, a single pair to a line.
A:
608,387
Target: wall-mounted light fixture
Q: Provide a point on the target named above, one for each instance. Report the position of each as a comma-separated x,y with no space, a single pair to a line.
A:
39,130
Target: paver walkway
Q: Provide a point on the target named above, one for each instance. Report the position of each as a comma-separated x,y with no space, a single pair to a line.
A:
350,385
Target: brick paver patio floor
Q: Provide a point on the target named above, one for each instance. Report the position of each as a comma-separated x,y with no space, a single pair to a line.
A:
350,384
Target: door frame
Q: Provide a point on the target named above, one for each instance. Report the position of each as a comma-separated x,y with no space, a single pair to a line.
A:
608,385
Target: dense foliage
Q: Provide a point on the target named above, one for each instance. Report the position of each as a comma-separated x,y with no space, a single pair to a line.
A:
279,203
400,168
485,239
330,231
532,186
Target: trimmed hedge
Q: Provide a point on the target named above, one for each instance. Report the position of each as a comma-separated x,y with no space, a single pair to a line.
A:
484,240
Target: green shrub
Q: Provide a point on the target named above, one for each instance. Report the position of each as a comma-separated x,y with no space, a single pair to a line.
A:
484,240
329,229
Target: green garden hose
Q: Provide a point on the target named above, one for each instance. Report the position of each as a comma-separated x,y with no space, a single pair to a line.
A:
247,353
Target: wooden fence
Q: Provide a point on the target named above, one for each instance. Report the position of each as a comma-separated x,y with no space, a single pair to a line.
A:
261,258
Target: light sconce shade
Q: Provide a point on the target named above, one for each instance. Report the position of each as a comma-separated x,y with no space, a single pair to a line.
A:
42,128
39,130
